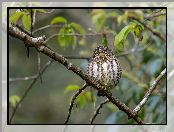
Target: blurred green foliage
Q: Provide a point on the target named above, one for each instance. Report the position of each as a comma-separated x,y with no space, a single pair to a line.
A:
48,102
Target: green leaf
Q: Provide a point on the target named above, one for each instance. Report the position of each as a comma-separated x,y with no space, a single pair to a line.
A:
58,20
14,100
62,38
78,27
73,39
26,21
137,29
89,97
81,100
65,37
70,88
14,18
120,38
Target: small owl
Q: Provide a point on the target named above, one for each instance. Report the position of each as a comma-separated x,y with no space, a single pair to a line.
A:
105,67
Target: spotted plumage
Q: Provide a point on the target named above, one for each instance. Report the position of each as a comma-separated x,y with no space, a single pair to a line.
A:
105,67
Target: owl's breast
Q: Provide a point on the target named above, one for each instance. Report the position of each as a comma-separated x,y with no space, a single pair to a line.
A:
106,72
105,67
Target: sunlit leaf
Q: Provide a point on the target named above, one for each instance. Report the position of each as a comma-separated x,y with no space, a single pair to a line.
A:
120,38
78,28
63,38
137,28
66,37
14,100
89,97
58,20
26,21
14,18
70,88
81,100
73,41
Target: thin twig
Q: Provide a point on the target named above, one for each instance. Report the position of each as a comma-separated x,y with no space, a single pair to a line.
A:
149,92
22,78
34,19
154,31
73,100
74,34
38,54
155,15
98,110
47,26
38,64
28,89
23,30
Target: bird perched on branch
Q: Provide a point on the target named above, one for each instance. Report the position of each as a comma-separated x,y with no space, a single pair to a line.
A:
105,67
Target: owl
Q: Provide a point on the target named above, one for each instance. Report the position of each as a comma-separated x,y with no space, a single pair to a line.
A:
104,67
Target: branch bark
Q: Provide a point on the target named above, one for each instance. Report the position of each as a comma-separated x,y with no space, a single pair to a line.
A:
40,45
149,92
73,100
98,110
154,31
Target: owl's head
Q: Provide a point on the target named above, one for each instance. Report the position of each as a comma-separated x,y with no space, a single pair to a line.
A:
102,52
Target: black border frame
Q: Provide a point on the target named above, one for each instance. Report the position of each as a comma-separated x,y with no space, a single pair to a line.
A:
8,8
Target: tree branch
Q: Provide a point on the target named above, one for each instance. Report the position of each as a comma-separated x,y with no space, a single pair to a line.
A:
98,110
149,92
40,45
155,15
72,102
47,26
22,78
154,31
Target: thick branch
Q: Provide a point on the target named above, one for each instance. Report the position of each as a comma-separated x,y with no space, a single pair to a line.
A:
73,100
98,111
149,92
39,44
